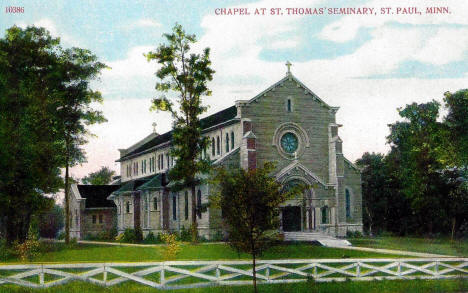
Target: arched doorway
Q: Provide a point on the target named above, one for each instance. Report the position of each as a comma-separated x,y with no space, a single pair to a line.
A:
298,215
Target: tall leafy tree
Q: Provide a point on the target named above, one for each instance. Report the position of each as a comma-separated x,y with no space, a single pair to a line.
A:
74,99
374,201
101,177
28,138
419,141
249,201
183,78
457,123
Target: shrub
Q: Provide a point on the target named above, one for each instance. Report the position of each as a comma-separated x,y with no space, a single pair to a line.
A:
172,247
61,236
5,251
185,235
218,236
353,234
130,236
151,239
138,235
30,248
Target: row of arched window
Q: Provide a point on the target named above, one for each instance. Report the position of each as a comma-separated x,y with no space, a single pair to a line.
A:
174,205
229,142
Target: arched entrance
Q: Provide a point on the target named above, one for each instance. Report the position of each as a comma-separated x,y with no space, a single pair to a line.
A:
298,214
291,218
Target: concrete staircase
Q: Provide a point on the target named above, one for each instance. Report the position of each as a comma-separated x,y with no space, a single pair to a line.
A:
324,240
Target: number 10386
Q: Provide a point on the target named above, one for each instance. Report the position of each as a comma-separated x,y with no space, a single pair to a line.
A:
14,9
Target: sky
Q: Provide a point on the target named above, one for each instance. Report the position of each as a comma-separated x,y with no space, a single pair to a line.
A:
368,65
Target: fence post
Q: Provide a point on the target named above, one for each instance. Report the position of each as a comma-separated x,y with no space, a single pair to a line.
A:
437,267
41,276
218,273
267,273
358,269
315,271
104,278
399,269
162,281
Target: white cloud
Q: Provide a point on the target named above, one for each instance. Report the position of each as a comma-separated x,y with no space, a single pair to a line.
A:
146,23
132,75
367,106
347,27
48,24
129,120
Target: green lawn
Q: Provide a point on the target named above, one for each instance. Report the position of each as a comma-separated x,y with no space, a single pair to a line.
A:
59,252
415,286
428,245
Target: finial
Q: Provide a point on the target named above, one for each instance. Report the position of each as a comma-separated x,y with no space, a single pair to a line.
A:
154,127
288,65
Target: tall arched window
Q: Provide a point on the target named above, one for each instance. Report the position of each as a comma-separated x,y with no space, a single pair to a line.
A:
199,204
155,203
218,146
232,140
213,147
227,142
324,211
186,206
348,203
174,207
127,207
289,105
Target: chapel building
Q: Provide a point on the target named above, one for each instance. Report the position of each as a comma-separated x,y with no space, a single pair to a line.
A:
287,124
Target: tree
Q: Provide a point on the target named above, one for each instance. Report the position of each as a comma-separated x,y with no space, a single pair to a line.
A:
101,177
28,137
184,75
77,67
419,142
51,222
249,201
457,123
374,201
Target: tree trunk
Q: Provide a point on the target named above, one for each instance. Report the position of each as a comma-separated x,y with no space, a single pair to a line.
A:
194,215
454,221
67,203
370,220
254,272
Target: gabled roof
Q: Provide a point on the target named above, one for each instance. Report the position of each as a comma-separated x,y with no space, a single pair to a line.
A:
154,183
214,119
207,122
96,195
290,76
130,186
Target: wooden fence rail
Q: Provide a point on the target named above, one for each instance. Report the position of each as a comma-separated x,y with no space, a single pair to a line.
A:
192,274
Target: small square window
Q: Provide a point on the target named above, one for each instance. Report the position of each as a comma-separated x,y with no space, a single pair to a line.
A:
101,219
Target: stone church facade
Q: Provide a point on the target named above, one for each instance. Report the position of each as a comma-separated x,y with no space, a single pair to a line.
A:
287,124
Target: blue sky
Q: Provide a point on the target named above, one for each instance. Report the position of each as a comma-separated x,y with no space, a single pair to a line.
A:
367,65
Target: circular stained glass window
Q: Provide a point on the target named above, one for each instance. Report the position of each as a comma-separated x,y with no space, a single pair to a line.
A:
289,142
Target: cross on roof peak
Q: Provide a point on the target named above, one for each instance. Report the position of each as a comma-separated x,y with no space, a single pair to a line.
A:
288,65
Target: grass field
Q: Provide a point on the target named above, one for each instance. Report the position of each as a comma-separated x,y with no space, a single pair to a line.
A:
428,245
59,252
416,286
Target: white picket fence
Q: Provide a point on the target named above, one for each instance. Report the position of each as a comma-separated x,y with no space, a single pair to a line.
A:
192,274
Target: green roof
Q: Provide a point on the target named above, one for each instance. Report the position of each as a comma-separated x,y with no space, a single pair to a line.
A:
153,183
131,186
